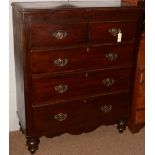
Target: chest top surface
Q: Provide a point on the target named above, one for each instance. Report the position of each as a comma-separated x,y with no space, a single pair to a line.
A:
31,6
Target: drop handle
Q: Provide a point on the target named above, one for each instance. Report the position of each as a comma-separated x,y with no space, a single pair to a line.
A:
106,108
61,88
60,117
116,32
111,56
60,62
108,82
60,34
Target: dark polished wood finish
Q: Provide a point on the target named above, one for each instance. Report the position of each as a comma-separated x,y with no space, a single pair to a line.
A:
44,89
81,111
137,118
75,66
91,57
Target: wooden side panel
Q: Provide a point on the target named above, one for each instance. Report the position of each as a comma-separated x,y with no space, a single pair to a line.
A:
137,118
18,54
140,116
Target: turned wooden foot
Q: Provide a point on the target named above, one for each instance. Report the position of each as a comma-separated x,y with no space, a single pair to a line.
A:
121,125
32,143
21,129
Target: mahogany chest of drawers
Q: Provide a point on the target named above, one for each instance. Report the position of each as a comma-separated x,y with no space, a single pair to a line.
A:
75,66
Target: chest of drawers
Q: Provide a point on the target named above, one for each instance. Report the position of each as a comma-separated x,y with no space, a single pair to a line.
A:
75,66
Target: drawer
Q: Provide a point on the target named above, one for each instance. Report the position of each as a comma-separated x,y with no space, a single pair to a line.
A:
59,16
85,58
66,87
109,32
56,35
114,14
67,114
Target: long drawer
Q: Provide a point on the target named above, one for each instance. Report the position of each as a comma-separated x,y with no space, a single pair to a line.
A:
60,88
81,58
82,15
67,114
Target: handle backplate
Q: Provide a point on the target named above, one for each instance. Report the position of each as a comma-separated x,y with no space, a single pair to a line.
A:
106,108
61,88
111,56
108,81
61,62
60,117
114,31
60,34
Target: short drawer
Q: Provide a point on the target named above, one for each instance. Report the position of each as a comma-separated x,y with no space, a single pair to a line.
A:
60,88
113,32
67,114
89,57
99,14
55,35
59,16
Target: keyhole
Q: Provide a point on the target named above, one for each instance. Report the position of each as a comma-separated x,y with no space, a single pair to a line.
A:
86,74
88,49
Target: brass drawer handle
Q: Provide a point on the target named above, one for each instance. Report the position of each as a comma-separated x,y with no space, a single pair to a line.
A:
61,62
106,108
61,88
108,81
60,34
88,49
111,56
60,117
114,31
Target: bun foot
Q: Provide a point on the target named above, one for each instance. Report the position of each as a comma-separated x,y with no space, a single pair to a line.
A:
32,143
121,126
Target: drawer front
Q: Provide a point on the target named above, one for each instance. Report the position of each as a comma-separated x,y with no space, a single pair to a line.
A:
85,14
114,32
66,87
59,16
55,35
68,114
114,14
85,58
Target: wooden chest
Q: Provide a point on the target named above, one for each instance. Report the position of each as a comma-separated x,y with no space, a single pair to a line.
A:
75,66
